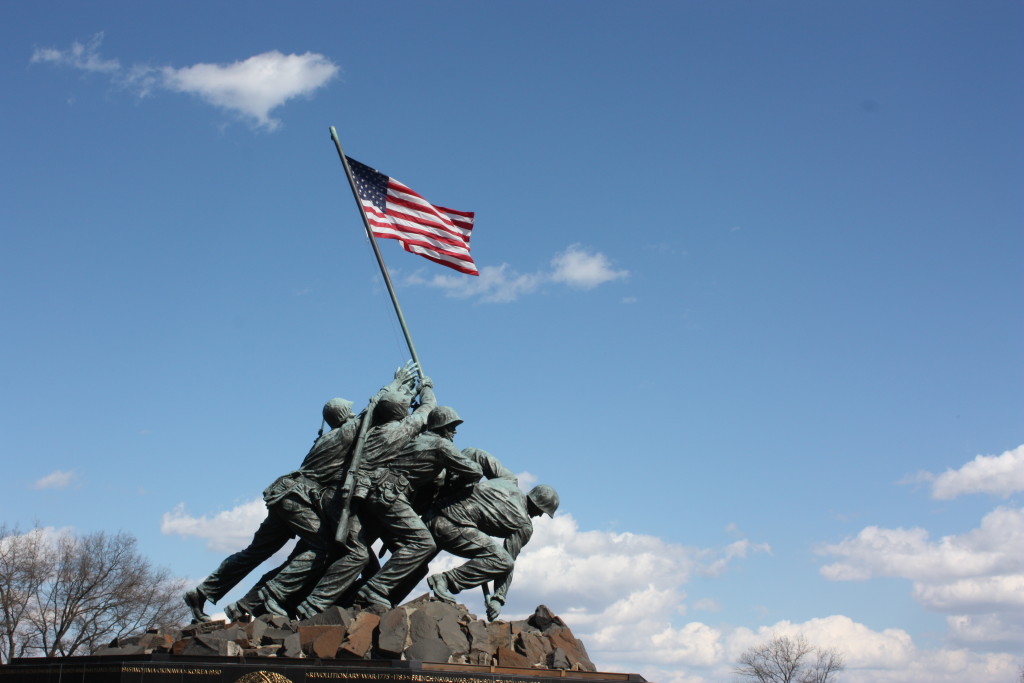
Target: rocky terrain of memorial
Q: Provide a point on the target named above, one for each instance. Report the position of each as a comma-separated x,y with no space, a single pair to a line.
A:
424,629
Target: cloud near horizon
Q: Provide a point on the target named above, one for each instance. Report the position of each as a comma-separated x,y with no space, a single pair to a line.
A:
578,267
223,531
976,578
58,479
250,88
623,594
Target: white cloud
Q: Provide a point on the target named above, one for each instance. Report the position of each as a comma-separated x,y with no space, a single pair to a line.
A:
976,577
699,652
44,536
225,531
985,629
738,549
495,284
251,88
84,56
622,592
996,547
859,645
581,268
58,479
577,267
527,480
255,86
622,595
946,665
1000,475
590,570
1004,592
886,656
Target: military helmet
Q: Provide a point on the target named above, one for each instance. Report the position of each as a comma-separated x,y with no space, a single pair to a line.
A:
390,407
545,498
336,411
443,416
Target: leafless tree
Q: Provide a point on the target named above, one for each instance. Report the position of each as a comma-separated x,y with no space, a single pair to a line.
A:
26,563
789,660
64,594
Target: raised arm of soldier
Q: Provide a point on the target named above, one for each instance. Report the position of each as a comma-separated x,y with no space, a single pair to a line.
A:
325,461
393,426
427,400
491,466
404,382
398,424
459,468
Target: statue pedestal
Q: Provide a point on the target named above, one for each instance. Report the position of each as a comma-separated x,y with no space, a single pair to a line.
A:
168,668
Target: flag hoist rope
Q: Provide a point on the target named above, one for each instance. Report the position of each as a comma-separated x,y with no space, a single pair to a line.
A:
376,251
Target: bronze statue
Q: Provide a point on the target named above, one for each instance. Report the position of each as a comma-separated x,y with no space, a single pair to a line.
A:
394,428
464,525
392,475
297,505
391,481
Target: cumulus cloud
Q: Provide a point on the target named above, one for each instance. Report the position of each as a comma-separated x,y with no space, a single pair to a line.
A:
985,629
1000,475
633,631
622,593
58,479
592,570
886,656
583,269
976,577
577,267
860,646
699,652
224,531
996,547
255,86
1004,592
251,88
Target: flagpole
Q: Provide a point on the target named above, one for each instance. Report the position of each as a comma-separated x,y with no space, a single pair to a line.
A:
376,252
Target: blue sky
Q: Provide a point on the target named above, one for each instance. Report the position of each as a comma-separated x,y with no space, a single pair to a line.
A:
749,296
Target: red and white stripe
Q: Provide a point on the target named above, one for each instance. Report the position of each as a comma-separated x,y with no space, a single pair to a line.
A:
434,232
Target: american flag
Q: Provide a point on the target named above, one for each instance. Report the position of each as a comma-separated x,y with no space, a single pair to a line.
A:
396,212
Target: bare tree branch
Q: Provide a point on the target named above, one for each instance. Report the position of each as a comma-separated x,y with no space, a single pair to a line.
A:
26,563
788,660
71,595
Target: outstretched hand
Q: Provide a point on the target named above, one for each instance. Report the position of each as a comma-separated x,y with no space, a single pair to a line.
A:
407,373
493,609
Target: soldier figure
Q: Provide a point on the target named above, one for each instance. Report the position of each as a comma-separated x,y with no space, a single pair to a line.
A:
394,428
464,526
296,504
391,482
